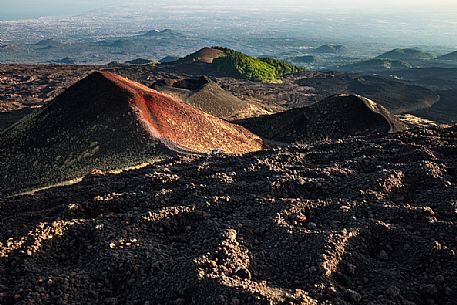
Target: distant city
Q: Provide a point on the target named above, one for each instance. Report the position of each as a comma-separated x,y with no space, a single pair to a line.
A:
118,34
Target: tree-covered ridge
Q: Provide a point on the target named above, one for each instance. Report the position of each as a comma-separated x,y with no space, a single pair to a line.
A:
281,66
237,64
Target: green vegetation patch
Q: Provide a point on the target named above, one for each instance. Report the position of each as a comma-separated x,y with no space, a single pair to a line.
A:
244,66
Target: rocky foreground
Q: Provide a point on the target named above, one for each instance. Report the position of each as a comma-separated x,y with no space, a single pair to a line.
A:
365,220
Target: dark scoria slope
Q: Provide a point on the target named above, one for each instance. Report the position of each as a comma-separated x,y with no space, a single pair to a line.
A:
368,220
204,94
109,122
334,117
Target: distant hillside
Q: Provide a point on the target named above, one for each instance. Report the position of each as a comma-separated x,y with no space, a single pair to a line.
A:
330,49
48,44
163,33
407,54
305,59
451,56
376,64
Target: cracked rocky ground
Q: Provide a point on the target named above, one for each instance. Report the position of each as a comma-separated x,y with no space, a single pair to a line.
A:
363,220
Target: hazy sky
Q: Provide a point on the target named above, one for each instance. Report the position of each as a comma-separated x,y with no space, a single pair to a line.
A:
25,9
22,9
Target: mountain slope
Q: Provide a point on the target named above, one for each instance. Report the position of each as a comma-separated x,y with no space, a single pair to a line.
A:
106,121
